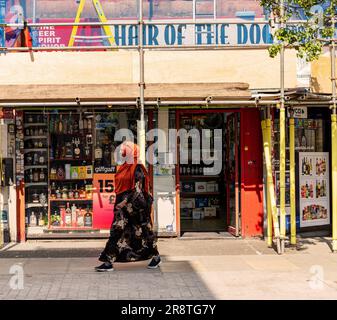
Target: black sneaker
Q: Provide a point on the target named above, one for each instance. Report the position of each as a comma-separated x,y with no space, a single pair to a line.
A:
154,263
105,267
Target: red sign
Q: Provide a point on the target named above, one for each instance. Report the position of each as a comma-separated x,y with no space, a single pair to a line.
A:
103,200
6,114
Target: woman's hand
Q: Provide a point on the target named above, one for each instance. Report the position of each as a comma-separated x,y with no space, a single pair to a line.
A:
121,204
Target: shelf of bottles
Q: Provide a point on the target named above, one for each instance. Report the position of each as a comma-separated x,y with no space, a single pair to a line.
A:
70,171
200,190
36,169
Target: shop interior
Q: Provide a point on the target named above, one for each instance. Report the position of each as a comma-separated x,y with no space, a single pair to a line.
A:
211,203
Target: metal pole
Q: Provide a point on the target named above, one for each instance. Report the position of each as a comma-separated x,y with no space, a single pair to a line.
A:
34,11
1,179
271,187
135,22
141,122
292,179
334,143
282,140
269,208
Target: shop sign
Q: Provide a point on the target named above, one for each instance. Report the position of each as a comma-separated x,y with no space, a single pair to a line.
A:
103,199
299,112
173,34
314,189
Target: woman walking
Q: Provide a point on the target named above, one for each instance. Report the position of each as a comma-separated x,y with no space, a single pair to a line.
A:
131,236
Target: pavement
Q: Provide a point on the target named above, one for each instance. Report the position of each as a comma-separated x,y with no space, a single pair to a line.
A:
191,269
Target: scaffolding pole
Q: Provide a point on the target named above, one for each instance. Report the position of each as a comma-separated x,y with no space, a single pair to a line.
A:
334,142
292,178
141,123
269,207
270,186
282,139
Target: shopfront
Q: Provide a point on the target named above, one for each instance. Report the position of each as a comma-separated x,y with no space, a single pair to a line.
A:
65,162
218,187
65,166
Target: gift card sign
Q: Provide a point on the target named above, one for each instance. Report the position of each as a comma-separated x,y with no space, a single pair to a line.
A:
103,199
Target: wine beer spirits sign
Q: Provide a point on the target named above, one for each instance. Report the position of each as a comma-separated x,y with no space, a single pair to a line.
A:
314,189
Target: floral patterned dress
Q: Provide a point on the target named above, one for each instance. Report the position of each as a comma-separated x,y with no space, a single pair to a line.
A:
131,235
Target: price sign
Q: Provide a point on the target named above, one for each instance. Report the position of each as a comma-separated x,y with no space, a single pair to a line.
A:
103,199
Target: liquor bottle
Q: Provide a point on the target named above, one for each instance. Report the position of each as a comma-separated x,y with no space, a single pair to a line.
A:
188,170
41,159
53,191
80,218
35,159
311,190
41,220
68,217
52,124
89,125
75,126
310,167
71,193
88,219
70,126
318,189
76,193
81,123
73,215
58,193
304,142
51,153
31,175
85,125
63,216
36,176
60,125
77,149
42,175
32,220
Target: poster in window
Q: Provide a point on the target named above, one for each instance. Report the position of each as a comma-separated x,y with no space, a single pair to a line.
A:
314,189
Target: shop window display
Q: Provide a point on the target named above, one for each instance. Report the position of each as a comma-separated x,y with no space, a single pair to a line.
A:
67,162
310,146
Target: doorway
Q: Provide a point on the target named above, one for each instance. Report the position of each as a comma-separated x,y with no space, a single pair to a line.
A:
209,193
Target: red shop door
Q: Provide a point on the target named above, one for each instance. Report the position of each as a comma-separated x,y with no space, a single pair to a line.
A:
232,175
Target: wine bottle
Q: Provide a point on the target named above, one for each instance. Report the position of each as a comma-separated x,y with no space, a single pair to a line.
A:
80,218
68,217
88,219
74,215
